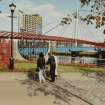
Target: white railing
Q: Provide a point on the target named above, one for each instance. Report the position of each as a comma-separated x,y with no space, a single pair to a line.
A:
81,60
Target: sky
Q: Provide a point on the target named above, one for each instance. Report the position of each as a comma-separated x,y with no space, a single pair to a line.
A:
52,11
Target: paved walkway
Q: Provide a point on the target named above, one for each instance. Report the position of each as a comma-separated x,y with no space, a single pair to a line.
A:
13,92
69,89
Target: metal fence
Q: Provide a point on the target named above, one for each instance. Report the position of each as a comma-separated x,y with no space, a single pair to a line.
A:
81,61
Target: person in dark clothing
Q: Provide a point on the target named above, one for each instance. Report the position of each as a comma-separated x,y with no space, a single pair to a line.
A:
51,62
41,67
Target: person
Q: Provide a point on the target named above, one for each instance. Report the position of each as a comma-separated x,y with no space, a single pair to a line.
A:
41,67
56,63
51,62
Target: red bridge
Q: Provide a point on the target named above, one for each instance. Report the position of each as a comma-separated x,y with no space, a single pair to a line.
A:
5,46
30,36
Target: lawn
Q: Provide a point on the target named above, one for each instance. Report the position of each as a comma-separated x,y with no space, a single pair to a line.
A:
61,68
25,66
67,69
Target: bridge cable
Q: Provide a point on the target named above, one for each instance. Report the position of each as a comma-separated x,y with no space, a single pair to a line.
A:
88,30
52,29
50,23
66,28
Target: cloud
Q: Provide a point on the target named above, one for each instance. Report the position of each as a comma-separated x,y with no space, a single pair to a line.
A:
4,16
5,22
50,14
48,11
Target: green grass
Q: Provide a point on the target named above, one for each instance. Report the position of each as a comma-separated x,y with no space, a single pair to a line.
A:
25,66
61,68
70,69
66,69
99,71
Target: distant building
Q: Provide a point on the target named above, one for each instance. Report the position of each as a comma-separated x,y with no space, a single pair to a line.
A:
30,49
32,24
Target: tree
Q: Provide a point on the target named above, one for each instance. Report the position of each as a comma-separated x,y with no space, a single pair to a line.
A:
97,12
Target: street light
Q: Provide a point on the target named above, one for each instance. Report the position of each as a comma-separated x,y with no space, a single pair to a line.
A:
12,8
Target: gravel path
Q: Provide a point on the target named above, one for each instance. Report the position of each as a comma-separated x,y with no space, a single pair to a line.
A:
88,88
69,89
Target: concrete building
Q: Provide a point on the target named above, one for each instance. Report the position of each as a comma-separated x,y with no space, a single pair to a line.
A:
32,24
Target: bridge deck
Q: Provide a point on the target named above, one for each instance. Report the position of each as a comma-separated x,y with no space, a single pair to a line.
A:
31,36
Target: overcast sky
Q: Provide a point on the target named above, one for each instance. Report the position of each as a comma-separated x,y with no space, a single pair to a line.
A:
52,11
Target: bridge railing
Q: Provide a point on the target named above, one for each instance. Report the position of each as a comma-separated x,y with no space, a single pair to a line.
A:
82,61
101,62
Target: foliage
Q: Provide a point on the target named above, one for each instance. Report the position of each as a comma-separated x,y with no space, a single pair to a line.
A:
97,12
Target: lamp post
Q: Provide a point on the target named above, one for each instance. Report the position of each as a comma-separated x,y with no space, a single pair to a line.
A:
12,8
